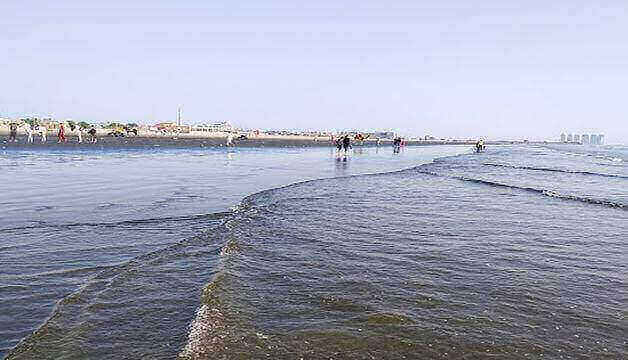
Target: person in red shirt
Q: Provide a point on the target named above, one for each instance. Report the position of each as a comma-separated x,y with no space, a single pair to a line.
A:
61,134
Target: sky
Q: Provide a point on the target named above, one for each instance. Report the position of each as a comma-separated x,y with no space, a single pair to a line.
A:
497,69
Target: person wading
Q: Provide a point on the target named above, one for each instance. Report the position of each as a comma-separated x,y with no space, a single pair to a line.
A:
346,143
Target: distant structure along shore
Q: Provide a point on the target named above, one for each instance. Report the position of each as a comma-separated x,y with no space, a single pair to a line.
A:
585,139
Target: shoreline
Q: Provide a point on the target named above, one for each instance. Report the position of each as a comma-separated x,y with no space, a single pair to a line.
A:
215,142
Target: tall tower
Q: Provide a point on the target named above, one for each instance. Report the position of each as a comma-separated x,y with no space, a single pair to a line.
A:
179,115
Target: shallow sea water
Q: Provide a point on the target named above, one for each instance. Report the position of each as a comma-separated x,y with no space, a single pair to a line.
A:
69,217
519,252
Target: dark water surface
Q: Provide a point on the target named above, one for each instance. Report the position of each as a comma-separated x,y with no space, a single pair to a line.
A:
519,252
77,220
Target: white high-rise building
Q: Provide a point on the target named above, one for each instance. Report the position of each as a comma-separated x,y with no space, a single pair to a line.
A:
585,138
600,139
569,137
576,138
594,139
563,137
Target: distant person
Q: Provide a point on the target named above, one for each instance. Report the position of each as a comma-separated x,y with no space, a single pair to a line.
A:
61,134
396,144
43,132
479,146
92,134
358,138
80,134
346,143
378,142
29,131
229,140
338,143
12,132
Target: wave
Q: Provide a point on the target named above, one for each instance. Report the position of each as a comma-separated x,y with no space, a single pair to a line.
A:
43,225
611,158
70,308
108,274
207,313
556,170
545,192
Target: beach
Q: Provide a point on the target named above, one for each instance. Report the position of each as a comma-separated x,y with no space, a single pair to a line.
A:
213,140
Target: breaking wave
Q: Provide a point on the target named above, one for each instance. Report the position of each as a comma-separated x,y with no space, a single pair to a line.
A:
556,170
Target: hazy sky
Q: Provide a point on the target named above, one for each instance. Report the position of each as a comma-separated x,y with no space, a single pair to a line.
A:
465,68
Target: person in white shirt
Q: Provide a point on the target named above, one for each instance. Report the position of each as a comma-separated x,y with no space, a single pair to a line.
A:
29,132
43,131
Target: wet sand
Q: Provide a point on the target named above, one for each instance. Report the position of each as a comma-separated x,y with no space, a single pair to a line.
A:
189,142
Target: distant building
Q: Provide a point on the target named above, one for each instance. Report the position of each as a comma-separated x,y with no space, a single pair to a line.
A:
600,139
382,135
170,127
223,126
570,138
563,137
585,138
576,138
593,139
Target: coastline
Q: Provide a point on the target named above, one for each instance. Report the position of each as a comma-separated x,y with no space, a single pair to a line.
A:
186,141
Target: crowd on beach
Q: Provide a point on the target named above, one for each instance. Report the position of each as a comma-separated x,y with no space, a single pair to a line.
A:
344,142
33,129
84,132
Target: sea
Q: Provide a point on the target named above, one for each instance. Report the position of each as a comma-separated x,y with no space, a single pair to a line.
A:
434,252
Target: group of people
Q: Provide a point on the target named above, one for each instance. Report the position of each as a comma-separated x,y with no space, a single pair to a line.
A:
398,143
344,142
32,129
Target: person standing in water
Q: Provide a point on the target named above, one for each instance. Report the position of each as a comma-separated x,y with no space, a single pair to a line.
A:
338,143
346,143
479,146
229,140
396,144
61,133
12,132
